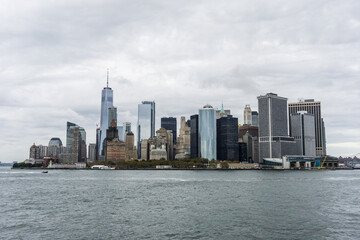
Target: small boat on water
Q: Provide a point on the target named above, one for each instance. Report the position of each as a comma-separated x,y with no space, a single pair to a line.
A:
44,171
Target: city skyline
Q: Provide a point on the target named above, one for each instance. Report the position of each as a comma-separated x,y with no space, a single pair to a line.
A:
180,56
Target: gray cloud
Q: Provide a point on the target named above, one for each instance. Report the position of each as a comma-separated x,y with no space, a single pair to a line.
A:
182,54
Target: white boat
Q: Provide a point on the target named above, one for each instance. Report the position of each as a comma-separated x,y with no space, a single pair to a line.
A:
102,167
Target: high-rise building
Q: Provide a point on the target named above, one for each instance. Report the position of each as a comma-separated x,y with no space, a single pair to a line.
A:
247,115
146,123
227,138
249,136
83,145
43,151
183,141
98,157
106,103
54,147
130,149
121,133
112,114
207,132
303,131
34,152
169,123
75,142
126,128
274,141
255,118
313,107
194,136
221,113
92,152
114,148
167,135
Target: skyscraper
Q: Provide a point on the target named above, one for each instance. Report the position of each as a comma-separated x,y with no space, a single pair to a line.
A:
121,133
146,122
54,147
194,136
303,131
227,138
106,103
75,144
207,132
255,118
274,141
126,128
183,141
169,123
247,115
314,108
112,115
92,150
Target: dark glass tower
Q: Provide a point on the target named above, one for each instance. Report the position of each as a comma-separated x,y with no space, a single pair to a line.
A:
227,138
170,124
194,136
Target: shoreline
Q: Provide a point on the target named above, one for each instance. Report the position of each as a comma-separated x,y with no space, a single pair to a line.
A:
188,169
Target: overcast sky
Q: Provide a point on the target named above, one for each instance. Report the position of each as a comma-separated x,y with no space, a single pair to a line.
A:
181,54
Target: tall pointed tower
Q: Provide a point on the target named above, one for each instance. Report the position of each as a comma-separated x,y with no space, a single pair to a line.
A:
106,103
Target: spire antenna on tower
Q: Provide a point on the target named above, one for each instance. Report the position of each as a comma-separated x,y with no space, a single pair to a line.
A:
107,79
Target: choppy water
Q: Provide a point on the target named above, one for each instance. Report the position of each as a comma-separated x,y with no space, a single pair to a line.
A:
82,204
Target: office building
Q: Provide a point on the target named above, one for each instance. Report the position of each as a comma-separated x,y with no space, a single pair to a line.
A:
249,136
43,151
227,138
254,118
34,152
221,113
303,131
182,149
247,115
207,132
312,107
194,136
130,149
144,149
112,115
126,128
169,123
146,122
121,133
75,142
98,157
54,148
167,138
114,148
106,103
92,152
274,141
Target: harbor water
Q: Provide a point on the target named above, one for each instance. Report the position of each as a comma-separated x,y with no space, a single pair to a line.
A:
165,204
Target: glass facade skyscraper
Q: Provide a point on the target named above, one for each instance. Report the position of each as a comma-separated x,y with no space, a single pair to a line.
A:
207,132
170,124
112,115
227,138
194,136
106,103
146,122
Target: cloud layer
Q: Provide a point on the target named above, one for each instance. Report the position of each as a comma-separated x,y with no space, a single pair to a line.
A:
182,54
